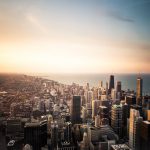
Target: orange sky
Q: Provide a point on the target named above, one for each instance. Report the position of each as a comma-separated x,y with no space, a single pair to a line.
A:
40,38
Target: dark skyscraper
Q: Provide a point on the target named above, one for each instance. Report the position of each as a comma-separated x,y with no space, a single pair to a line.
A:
116,119
118,86
139,90
111,83
68,132
54,135
75,109
145,135
35,134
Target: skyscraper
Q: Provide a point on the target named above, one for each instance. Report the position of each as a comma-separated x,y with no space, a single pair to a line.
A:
111,83
116,119
68,132
95,107
107,90
35,134
54,135
134,129
145,135
97,121
125,114
101,84
75,109
118,90
88,97
113,94
139,90
118,86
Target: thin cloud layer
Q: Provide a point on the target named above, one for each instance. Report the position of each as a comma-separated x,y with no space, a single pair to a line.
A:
74,36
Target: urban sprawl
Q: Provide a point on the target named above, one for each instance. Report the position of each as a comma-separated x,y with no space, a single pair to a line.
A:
42,114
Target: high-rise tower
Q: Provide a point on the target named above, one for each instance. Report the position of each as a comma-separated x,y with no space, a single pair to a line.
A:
111,83
75,109
134,129
116,119
35,134
54,135
139,90
95,107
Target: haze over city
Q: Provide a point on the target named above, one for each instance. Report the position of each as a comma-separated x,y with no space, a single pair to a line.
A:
74,75
75,36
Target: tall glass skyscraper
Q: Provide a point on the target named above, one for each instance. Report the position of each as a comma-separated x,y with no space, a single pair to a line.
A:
111,83
139,90
75,109
134,129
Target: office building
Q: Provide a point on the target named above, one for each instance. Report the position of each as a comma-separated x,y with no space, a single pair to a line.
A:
120,147
118,90
97,121
54,135
118,86
95,107
35,134
84,114
139,90
134,129
75,109
101,137
104,115
106,90
106,103
145,135
125,111
68,132
88,97
113,94
148,115
66,146
111,83
27,147
116,119
130,99
101,84
137,107
14,129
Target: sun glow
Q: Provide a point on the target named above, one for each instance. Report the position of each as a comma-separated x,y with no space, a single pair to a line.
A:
35,37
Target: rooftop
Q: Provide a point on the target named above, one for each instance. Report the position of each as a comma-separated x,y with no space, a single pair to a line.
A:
147,122
120,147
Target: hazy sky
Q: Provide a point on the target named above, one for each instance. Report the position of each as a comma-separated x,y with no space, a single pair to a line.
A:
75,36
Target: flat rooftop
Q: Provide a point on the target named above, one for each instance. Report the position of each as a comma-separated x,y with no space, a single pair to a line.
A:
120,147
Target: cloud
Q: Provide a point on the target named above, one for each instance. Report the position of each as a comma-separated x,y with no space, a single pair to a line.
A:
33,20
118,16
139,3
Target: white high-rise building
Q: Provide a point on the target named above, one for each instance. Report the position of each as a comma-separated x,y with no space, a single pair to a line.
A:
84,114
89,97
95,107
113,94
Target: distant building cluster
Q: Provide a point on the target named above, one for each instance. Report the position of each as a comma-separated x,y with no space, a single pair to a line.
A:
55,116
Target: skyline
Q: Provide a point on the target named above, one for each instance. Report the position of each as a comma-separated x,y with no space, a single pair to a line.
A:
74,36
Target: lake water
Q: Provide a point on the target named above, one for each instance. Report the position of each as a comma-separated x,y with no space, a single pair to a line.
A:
128,80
